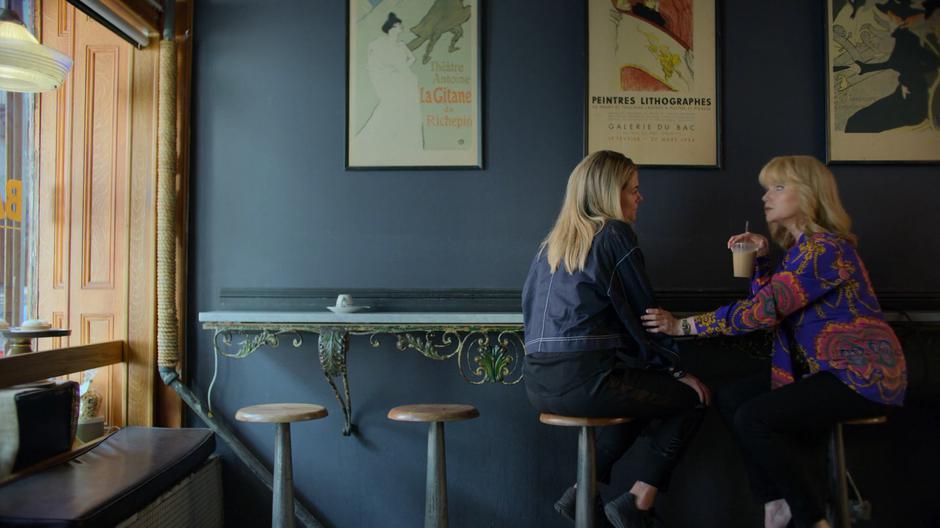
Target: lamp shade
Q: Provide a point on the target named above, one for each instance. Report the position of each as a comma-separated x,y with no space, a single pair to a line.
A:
25,64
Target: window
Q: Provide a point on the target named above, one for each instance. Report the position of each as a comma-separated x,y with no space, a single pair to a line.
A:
77,223
18,195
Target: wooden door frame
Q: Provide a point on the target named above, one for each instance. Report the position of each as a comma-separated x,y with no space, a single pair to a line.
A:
150,402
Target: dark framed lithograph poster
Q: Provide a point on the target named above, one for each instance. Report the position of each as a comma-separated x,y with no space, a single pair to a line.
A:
652,81
413,84
883,73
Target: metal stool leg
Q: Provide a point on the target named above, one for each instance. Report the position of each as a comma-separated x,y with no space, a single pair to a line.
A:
584,507
837,450
859,508
435,498
283,514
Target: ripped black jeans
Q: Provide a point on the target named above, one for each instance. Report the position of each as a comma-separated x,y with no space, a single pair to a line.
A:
665,411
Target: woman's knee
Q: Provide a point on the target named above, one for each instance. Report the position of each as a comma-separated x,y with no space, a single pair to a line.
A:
749,418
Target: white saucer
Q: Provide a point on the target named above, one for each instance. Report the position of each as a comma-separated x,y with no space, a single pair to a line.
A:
346,309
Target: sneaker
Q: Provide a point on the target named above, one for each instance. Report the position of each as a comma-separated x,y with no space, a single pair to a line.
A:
566,507
623,513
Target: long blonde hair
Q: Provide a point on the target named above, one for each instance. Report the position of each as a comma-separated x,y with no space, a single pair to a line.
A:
591,199
820,208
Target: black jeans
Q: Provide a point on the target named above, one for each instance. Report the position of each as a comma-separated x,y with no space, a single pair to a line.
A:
664,410
784,435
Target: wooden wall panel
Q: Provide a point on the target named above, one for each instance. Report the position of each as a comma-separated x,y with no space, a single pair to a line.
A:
101,112
149,400
100,174
61,203
101,165
65,16
98,203
59,321
141,294
108,381
96,328
83,203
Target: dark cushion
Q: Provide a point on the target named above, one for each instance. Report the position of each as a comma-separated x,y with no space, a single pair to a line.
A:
47,414
110,482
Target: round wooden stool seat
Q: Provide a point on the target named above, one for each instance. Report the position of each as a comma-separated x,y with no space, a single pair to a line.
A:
581,421
433,412
876,420
280,413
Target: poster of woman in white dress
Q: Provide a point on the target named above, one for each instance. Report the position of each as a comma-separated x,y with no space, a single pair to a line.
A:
413,93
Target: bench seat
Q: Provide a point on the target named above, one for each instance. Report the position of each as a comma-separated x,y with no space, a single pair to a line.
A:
108,483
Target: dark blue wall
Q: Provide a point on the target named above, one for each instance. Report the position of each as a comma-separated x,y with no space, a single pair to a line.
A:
272,207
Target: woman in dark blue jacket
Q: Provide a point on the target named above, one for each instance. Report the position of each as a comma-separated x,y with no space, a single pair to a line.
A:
587,353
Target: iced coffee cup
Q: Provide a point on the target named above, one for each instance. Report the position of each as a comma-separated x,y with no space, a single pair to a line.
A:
742,254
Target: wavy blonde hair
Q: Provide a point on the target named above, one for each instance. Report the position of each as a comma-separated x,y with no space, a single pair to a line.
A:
820,208
591,199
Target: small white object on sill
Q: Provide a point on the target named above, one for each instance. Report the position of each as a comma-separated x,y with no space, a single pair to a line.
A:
35,324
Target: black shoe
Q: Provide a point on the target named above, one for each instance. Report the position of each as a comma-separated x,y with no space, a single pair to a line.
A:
623,513
566,507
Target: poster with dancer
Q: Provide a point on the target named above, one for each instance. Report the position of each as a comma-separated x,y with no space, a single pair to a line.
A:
883,77
413,90
652,81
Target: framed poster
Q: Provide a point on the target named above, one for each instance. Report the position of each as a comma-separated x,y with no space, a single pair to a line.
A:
413,84
883,70
652,81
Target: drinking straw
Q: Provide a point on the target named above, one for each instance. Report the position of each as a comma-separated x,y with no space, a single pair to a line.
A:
747,224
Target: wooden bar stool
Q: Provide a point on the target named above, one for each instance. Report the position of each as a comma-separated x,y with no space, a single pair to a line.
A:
861,509
282,415
587,479
435,498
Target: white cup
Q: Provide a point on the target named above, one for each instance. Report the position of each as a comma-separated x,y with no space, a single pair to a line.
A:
343,300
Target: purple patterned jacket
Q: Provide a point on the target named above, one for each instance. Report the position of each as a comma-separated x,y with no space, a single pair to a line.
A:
825,316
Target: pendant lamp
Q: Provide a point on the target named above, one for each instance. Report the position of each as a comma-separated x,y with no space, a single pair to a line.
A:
25,64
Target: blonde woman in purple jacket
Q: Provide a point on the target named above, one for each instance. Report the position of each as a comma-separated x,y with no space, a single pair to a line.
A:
834,357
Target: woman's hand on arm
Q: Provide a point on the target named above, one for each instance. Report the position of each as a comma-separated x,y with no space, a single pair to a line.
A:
657,320
763,247
704,393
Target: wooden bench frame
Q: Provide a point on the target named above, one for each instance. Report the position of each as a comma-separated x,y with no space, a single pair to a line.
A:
36,366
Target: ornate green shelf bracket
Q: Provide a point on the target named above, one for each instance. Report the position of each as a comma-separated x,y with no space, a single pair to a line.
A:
332,346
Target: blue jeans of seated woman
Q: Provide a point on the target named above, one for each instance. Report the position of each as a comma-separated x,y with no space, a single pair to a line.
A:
665,411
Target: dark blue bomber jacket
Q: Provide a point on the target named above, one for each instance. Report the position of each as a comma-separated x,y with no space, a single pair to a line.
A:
599,307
